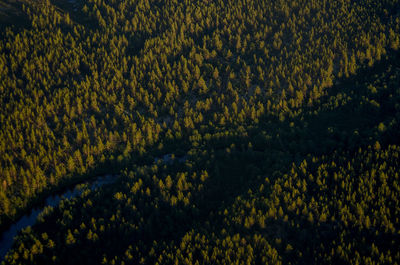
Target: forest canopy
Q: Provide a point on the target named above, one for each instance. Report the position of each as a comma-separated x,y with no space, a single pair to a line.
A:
281,119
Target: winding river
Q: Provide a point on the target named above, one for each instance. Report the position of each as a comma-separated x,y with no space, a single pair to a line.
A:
7,238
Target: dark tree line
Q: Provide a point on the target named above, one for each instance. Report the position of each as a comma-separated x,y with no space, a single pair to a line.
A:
287,112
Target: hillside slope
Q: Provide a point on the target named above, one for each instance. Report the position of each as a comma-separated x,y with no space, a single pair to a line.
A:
287,111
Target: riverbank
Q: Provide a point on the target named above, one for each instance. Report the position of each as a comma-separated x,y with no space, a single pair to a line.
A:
7,237
67,193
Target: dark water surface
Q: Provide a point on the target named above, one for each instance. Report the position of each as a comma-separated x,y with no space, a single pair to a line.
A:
7,238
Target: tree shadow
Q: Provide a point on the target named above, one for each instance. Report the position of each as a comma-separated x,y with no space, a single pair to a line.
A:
346,125
12,15
349,118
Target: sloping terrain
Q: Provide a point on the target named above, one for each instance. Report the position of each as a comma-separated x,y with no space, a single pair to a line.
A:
286,112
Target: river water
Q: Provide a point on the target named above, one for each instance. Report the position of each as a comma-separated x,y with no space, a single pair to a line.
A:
7,238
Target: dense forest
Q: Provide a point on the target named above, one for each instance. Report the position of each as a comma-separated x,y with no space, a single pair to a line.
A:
282,119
